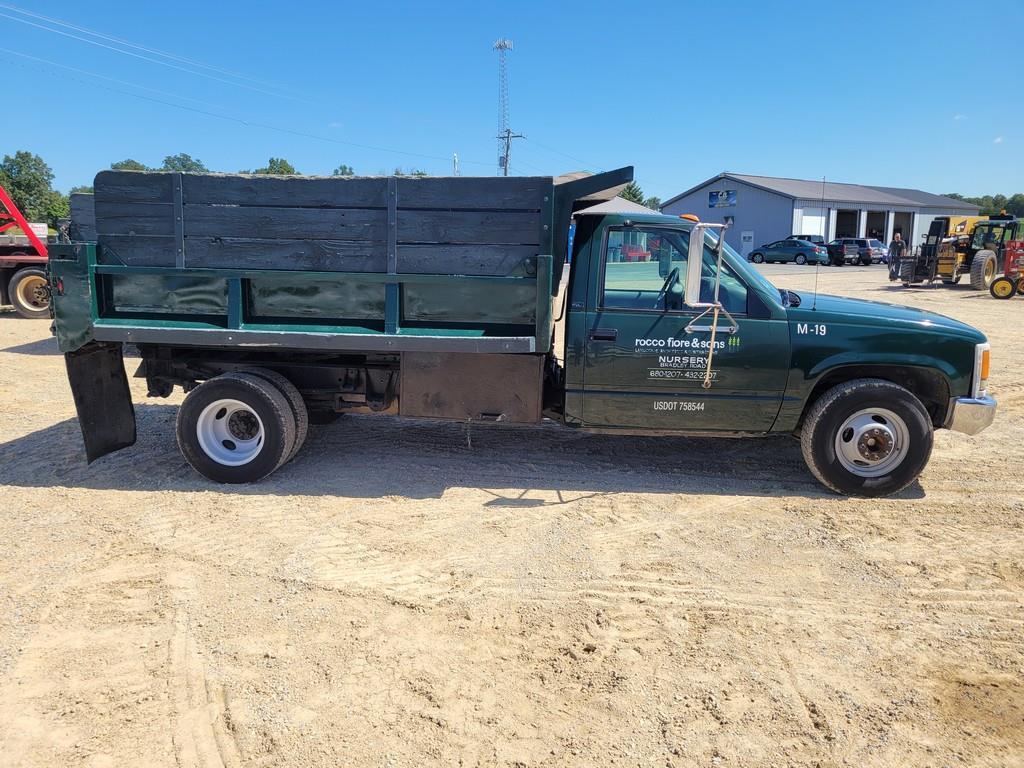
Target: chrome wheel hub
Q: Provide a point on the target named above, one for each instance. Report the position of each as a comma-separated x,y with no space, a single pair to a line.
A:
872,442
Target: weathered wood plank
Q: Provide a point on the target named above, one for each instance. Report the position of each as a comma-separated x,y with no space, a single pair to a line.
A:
316,255
286,223
286,191
136,251
486,260
473,227
245,253
83,217
467,192
134,218
489,260
132,187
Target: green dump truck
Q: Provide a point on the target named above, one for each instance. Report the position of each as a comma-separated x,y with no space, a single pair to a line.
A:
279,301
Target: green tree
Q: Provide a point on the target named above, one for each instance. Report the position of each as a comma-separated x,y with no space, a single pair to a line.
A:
994,203
276,165
57,207
413,172
653,202
28,179
183,164
81,188
128,165
633,193
343,170
1015,205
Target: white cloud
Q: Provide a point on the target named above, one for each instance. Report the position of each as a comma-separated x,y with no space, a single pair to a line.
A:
335,124
959,117
997,140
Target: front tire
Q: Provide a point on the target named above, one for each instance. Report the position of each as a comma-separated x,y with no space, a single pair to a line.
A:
867,437
983,270
29,293
757,258
236,428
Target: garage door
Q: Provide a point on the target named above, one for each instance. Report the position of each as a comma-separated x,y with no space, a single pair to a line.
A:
813,222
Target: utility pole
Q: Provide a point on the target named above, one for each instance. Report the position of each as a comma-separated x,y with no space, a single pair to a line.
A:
505,133
455,164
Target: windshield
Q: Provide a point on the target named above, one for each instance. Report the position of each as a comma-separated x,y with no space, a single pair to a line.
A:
987,234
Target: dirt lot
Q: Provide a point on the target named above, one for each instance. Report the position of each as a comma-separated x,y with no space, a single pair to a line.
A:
405,594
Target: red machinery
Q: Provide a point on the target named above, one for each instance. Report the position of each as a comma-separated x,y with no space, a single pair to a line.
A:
22,263
1011,282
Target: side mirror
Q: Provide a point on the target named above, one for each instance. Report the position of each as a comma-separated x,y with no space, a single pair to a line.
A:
694,262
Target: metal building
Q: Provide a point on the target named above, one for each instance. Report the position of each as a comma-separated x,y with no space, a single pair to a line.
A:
763,209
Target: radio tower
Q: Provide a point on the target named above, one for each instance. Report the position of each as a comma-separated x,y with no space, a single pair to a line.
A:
505,133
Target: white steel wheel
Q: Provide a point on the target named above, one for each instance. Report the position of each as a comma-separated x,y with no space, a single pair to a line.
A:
235,428
230,432
872,442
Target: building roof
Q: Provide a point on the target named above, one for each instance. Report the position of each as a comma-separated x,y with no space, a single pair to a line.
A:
838,192
616,205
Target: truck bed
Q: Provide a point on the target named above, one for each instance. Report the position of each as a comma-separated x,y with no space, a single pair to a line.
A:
388,263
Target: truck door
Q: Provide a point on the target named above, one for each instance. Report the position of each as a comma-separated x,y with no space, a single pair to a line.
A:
643,370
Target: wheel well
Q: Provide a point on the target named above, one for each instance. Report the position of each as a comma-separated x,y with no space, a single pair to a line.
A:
929,386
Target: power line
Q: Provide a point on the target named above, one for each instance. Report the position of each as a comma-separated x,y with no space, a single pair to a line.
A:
130,44
241,121
111,79
150,59
563,154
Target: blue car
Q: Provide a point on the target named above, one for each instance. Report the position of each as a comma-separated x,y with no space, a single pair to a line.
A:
797,251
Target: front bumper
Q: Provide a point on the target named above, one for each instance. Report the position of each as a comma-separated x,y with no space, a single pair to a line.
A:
970,415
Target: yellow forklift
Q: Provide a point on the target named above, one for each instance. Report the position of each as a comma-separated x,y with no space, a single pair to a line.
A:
962,245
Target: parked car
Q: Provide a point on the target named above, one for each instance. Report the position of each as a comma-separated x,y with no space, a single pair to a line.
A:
879,253
799,251
816,239
856,250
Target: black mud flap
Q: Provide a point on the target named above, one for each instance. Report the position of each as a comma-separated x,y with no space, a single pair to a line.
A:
102,398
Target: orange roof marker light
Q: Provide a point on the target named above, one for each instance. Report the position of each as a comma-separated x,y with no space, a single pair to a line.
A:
689,217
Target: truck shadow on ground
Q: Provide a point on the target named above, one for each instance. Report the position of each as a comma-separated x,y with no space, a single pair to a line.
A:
369,456
47,346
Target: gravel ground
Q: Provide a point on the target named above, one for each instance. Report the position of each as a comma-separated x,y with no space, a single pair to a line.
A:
407,594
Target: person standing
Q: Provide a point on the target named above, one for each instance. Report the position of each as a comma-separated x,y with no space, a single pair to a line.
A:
897,249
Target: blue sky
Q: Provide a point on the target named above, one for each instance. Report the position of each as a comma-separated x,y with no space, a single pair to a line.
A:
893,93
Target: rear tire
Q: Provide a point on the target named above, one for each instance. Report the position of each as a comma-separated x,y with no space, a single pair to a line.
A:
294,398
1002,288
983,270
30,296
235,428
800,259
867,437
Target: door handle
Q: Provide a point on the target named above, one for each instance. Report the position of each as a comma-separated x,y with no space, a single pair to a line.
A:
604,334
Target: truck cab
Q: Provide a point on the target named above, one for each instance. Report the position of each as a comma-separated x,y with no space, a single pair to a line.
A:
641,356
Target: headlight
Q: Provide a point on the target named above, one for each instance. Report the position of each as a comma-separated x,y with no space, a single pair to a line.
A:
982,358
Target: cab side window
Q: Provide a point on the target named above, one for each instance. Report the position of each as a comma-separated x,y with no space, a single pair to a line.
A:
645,270
638,263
